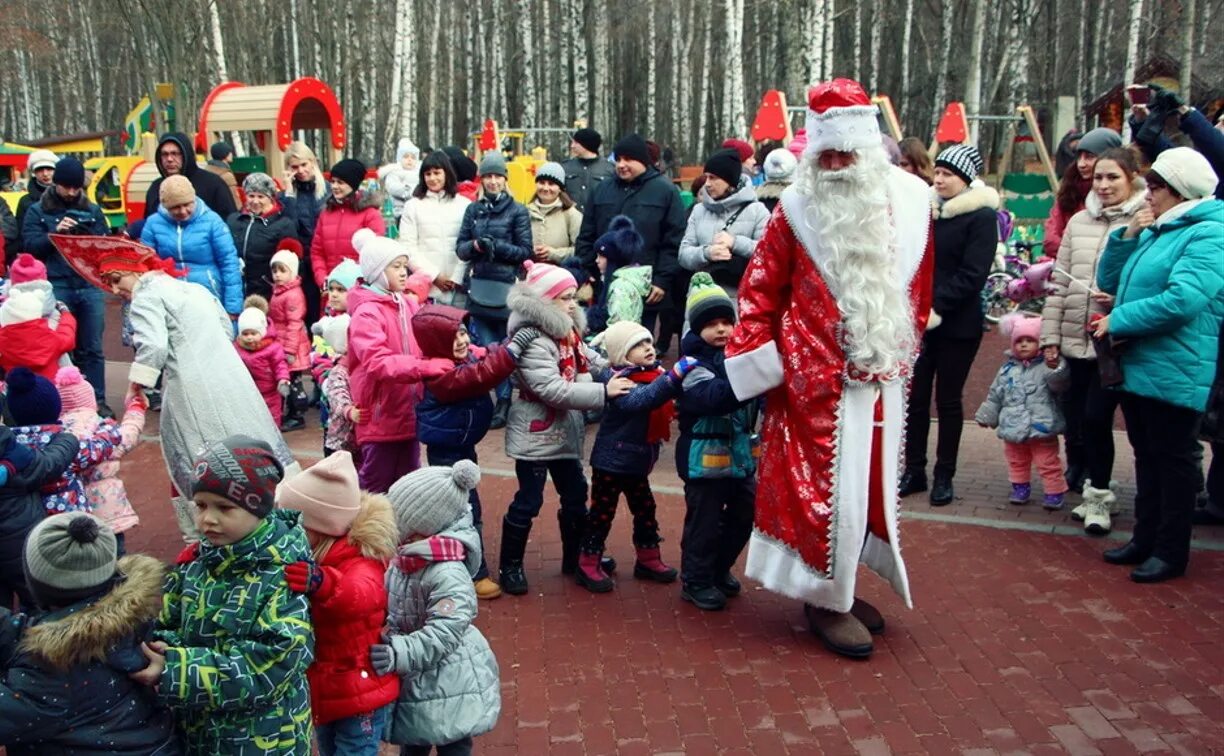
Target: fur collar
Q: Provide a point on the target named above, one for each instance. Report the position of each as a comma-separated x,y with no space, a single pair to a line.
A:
1092,203
91,632
771,189
529,309
977,197
357,201
374,531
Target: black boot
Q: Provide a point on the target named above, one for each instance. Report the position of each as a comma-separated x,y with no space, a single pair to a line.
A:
500,413
513,546
912,481
571,527
942,493
1076,473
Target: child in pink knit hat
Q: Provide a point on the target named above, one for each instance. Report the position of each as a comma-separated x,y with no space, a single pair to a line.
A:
104,489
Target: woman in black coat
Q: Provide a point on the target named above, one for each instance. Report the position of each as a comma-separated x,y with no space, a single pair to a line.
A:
258,228
966,234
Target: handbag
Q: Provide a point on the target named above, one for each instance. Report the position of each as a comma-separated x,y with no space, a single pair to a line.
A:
488,293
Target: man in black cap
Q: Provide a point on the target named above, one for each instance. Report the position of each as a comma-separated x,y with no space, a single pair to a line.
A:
643,194
176,155
585,168
64,209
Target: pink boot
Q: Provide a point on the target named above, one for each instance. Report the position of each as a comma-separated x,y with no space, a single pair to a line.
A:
650,566
591,575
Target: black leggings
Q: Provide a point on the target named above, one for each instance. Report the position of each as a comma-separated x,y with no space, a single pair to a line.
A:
943,364
1090,409
606,489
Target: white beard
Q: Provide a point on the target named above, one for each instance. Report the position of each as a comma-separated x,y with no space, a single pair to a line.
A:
849,212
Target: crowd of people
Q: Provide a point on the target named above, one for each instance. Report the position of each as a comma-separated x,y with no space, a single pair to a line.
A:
823,292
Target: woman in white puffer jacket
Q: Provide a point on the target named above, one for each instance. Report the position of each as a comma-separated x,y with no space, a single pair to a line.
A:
429,228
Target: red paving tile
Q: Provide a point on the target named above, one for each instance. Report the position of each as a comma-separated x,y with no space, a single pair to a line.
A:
1020,641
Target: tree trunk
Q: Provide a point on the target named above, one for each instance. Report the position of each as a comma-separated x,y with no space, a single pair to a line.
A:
877,29
906,37
826,59
945,52
1132,54
602,61
1081,82
502,106
814,49
1186,24
528,112
578,54
651,72
973,80
858,43
438,95
396,95
703,96
733,93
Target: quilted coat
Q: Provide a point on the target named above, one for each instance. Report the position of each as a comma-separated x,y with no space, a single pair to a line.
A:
1168,282
34,344
505,224
268,368
287,311
1021,401
740,215
1064,319
620,445
450,682
429,229
334,229
348,613
256,237
204,247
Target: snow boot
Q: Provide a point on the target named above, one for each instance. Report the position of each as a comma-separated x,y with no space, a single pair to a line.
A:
591,576
1020,494
1097,509
650,566
513,546
571,528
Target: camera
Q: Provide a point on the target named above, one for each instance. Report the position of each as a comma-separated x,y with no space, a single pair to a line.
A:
83,218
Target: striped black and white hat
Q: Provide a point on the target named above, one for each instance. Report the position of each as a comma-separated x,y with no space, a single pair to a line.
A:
962,159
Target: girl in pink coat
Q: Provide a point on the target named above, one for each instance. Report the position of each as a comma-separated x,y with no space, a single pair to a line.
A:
387,367
287,313
347,210
264,359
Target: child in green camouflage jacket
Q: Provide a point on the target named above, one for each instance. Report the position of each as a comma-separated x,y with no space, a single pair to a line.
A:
234,641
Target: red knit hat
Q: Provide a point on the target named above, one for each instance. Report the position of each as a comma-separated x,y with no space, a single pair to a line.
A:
27,268
75,392
741,147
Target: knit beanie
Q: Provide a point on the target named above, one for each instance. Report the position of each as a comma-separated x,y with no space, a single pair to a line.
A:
548,281
706,301
253,319
962,159
220,151
621,243
726,165
350,171
588,138
742,149
620,338
241,470
465,167
176,190
334,330
69,172
633,147
345,274
22,306
32,399
1098,140
405,147
41,159
779,165
326,494
68,557
429,500
27,268
375,253
1187,171
75,392
288,259
259,183
493,164
553,172
1017,326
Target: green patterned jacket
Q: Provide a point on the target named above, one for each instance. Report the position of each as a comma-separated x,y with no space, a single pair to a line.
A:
240,642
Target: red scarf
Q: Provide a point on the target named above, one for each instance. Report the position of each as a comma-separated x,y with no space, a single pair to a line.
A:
659,429
416,556
573,360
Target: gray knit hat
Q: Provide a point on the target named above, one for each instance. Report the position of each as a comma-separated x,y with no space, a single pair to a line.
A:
1098,140
493,164
425,502
68,557
260,183
553,172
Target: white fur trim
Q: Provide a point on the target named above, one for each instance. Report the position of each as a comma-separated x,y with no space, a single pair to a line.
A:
845,129
143,374
755,372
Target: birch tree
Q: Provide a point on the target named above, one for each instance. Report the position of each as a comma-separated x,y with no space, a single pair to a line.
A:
1132,54
906,37
1186,22
578,54
826,58
527,84
399,52
703,96
733,94
651,67
877,30
973,81
602,66
945,52
814,28
858,42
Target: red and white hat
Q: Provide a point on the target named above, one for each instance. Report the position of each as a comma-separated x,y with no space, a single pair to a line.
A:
840,117
548,281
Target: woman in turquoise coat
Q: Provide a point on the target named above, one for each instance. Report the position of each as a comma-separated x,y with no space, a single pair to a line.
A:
1165,272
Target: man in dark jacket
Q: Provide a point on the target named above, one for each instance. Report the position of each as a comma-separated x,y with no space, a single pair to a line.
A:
645,195
175,155
40,166
1149,134
585,169
66,210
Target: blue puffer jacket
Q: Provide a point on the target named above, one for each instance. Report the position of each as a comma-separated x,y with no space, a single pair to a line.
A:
1168,282
204,246
620,445
717,431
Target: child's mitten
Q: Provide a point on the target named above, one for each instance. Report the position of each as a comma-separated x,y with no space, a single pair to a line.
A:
305,577
682,367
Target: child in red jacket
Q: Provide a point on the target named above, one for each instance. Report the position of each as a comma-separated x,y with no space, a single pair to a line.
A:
287,311
353,535
26,340
264,359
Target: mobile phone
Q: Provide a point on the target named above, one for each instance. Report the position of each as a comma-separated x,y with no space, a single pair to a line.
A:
1138,94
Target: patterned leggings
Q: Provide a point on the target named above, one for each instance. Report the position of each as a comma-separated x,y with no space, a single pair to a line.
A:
606,489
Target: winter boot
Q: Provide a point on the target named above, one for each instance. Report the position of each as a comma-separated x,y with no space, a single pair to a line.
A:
1096,509
1053,501
727,583
942,492
868,615
500,413
912,482
1020,493
650,566
705,597
841,632
513,546
571,528
591,576
184,514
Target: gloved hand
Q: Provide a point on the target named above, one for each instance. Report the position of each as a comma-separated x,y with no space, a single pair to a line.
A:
487,245
1165,100
282,388
518,343
382,658
304,577
682,367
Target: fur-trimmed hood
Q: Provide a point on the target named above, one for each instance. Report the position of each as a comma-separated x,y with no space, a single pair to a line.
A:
530,309
975,198
771,189
374,531
1092,203
357,201
71,637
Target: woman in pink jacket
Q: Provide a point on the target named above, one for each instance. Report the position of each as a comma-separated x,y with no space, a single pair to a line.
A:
348,210
387,366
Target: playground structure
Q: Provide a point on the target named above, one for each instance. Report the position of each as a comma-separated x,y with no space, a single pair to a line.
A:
521,165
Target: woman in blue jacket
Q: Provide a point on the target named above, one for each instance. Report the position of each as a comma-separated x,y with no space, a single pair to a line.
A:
1166,274
185,230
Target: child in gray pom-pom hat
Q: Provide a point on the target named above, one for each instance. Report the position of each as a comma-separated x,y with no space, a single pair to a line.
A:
448,693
